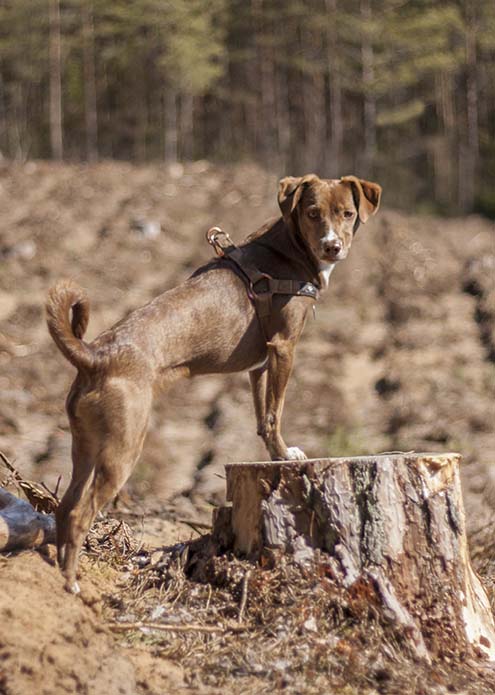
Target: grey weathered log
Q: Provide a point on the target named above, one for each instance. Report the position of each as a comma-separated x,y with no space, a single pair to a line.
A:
395,521
21,526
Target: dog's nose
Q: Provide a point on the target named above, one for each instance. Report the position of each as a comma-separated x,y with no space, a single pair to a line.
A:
332,248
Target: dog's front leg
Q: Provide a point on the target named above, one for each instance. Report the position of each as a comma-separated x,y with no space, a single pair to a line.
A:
258,379
280,361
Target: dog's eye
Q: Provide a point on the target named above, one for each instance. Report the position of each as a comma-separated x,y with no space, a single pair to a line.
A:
348,214
313,213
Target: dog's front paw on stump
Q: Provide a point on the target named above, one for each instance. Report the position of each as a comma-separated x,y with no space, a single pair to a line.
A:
294,453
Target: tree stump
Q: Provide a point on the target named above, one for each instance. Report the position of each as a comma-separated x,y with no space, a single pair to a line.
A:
394,521
21,526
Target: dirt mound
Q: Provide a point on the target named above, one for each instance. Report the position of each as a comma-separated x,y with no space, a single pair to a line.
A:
52,643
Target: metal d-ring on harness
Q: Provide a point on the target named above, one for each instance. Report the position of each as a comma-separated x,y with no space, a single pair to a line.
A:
260,286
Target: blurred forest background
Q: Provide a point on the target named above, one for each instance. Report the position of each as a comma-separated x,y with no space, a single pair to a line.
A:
398,90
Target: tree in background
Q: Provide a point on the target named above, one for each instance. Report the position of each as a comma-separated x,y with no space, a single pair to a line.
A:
89,76
24,78
403,91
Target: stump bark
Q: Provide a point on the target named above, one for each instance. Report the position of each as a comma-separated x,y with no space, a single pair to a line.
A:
394,521
21,526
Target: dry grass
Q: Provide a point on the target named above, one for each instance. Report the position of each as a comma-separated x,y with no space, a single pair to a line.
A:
482,547
232,624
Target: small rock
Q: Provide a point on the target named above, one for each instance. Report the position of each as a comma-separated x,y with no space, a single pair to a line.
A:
232,198
25,250
148,229
200,166
281,665
176,170
156,557
310,625
141,560
157,612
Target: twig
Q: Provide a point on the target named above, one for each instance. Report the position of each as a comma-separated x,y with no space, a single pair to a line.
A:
55,492
8,465
210,592
199,524
244,595
195,525
111,533
209,629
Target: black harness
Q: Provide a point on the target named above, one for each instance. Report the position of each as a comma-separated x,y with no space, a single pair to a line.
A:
260,286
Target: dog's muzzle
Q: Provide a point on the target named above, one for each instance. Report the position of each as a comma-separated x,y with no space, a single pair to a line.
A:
332,250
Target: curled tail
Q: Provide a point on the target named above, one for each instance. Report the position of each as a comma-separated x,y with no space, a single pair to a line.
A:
67,331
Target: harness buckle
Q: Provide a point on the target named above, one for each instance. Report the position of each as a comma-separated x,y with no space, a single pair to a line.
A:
260,286
220,240
309,290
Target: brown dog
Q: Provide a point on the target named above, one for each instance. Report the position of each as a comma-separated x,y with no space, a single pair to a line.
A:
209,324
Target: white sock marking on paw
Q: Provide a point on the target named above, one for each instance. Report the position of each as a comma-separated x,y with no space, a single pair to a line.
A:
295,454
73,588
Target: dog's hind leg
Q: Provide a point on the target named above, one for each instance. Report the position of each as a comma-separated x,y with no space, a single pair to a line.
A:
106,445
85,499
76,493
74,517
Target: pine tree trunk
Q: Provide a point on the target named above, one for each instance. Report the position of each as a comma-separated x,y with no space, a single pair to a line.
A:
283,120
186,126
4,130
470,149
368,76
336,118
90,107
314,118
265,74
444,146
55,81
171,130
395,522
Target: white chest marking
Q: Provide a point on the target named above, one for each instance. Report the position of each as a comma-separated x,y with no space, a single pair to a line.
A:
326,271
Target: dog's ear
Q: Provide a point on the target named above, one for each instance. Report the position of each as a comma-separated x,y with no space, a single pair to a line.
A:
366,196
290,190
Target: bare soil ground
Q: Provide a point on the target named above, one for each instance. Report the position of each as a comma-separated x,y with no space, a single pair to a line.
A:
401,356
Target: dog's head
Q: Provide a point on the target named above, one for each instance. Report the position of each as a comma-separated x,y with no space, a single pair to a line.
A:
327,212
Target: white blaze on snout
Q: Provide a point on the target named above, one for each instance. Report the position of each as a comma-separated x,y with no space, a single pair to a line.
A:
330,236
325,267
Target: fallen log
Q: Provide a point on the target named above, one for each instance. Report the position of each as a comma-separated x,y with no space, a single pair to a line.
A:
394,522
21,526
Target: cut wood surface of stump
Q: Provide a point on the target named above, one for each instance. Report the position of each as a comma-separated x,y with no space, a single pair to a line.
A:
394,521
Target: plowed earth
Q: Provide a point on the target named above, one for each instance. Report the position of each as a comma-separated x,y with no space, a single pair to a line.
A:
400,356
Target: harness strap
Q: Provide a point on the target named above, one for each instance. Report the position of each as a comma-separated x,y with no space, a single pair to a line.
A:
261,286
